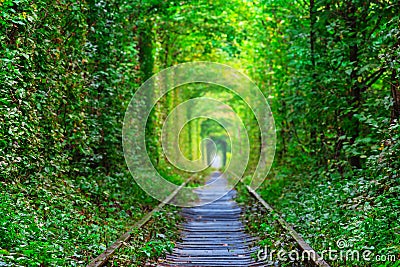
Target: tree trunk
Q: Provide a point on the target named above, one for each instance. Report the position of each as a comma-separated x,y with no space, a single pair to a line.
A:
313,130
146,52
394,88
353,130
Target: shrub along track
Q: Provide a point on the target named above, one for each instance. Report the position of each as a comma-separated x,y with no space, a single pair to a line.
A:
214,235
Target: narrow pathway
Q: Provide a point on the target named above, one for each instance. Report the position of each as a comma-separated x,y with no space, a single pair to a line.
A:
213,234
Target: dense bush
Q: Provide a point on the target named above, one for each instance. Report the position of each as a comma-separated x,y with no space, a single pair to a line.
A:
67,72
68,69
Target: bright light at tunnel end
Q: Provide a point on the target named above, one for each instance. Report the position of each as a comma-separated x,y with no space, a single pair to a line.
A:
150,92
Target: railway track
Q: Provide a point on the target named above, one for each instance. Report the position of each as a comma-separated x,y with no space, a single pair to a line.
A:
213,234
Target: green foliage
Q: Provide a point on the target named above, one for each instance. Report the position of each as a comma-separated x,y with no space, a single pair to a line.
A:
68,70
334,93
55,225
